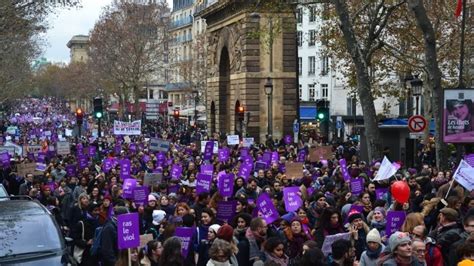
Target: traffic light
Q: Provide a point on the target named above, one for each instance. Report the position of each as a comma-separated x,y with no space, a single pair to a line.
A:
98,109
79,116
176,114
241,113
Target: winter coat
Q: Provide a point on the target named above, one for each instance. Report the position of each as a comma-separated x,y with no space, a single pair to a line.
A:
109,249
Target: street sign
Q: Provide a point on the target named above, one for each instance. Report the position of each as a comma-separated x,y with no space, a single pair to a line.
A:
296,127
417,123
416,135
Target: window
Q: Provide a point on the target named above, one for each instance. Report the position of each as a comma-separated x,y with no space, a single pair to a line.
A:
300,38
312,94
300,66
324,91
311,65
351,106
324,65
312,37
312,14
301,92
299,15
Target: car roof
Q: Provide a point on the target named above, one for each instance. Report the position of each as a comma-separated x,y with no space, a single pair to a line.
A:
21,207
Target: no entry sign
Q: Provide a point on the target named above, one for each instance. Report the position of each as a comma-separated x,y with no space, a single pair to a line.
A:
417,123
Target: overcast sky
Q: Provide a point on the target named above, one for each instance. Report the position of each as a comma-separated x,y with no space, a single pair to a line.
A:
67,23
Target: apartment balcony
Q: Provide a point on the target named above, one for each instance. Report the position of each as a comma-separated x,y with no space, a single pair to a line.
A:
187,21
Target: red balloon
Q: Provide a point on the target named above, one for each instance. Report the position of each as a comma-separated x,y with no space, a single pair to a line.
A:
400,191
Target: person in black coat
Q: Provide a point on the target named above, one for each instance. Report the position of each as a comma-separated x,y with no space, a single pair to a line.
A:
86,227
109,249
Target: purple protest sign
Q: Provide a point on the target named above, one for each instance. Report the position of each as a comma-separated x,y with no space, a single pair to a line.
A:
266,208
41,157
244,152
469,158
261,165
117,149
288,139
71,170
5,159
208,150
184,234
380,193
357,186
245,170
132,147
203,183
302,156
146,158
267,157
140,195
41,167
83,161
207,169
107,165
176,171
292,198
226,210
128,232
224,154
160,157
125,168
247,159
395,220
129,185
226,185
92,151
275,157
345,173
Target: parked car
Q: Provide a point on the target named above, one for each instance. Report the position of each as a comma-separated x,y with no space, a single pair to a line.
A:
3,193
29,235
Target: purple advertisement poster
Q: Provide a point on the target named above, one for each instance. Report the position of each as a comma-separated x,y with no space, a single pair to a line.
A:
140,195
226,210
203,183
176,171
208,150
292,198
395,220
129,185
345,173
458,116
357,186
380,193
207,169
184,234
226,185
125,166
128,232
266,208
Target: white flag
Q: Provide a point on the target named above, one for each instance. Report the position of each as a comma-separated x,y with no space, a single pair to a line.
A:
464,175
386,170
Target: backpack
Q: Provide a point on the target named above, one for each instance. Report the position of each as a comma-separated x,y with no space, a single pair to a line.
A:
97,242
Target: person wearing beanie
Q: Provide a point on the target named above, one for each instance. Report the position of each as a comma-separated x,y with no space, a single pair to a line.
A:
358,229
316,208
379,221
158,216
203,249
226,232
148,210
374,249
401,252
295,237
109,246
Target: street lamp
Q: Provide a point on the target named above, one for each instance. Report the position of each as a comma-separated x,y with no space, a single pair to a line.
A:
195,96
269,91
417,89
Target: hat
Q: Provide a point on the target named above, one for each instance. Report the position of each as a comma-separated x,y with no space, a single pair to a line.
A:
288,217
381,210
451,214
108,197
214,228
374,236
151,198
172,195
226,232
118,210
397,239
158,216
354,214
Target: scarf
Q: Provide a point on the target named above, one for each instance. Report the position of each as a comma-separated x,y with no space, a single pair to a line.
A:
254,249
374,254
380,226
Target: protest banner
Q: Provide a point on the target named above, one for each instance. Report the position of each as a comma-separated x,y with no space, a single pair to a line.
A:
320,153
128,232
125,168
127,128
267,157
41,167
380,193
226,185
395,221
214,150
247,142
159,145
294,170
203,183
292,198
266,208
140,195
223,154
226,210
176,171
63,148
71,170
128,187
25,168
184,234
386,170
151,179
275,157
357,186
302,156
207,169
469,158
245,170
208,150
345,173
329,239
464,175
233,139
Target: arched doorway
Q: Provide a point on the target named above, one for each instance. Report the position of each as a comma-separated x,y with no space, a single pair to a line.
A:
224,91
213,117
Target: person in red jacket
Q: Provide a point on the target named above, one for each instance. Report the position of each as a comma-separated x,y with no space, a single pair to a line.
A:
433,254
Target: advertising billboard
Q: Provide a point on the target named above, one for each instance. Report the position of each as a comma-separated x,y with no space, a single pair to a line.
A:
458,115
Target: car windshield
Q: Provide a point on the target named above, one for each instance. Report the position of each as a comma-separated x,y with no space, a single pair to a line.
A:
20,234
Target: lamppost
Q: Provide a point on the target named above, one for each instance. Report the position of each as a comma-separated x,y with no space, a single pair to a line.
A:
195,96
269,92
417,89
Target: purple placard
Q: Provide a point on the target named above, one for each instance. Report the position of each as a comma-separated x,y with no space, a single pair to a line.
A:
160,157
132,147
5,159
207,169
267,157
292,198
71,170
107,165
128,232
310,191
83,161
176,171
184,234
208,150
469,158
41,157
380,193
224,154
261,165
266,208
146,158
395,220
140,195
245,170
125,168
345,173
357,186
247,159
302,156
244,152
226,185
129,185
288,139
226,210
117,149
92,151
203,183
275,157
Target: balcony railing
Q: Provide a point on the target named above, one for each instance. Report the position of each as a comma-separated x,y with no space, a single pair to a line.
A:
182,22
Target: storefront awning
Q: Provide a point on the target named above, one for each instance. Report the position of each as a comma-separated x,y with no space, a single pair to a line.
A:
308,113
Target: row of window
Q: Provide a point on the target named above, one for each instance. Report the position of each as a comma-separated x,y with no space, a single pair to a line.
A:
311,38
312,14
312,65
313,95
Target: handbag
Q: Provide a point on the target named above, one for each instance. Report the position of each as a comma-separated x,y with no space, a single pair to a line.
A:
78,251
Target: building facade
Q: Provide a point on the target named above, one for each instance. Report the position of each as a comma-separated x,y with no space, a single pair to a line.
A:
79,48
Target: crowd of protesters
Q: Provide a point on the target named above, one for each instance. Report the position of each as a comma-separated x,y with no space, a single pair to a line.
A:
438,228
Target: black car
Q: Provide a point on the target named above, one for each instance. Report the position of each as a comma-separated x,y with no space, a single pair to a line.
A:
29,235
